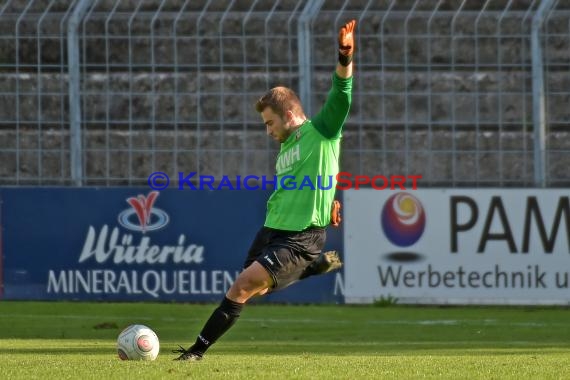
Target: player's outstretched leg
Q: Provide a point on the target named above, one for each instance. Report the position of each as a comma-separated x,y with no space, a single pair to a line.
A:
219,322
254,279
325,263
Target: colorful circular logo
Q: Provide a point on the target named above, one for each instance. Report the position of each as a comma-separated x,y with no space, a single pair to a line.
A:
403,219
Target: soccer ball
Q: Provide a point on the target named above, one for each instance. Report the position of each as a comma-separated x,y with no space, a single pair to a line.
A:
137,342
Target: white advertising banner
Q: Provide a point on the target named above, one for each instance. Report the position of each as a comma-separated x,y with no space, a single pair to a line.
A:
457,246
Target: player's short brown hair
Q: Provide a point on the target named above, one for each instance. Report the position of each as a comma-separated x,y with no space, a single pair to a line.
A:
280,100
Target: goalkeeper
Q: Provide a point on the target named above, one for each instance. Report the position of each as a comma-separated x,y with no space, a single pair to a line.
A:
288,247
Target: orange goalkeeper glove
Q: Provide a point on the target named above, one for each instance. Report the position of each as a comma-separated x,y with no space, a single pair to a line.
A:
335,213
346,43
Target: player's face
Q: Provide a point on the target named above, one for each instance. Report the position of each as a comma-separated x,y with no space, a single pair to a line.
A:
276,126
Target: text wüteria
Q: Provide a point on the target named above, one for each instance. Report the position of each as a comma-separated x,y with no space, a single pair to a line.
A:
123,249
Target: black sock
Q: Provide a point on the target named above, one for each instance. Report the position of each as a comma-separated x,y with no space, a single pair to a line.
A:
219,322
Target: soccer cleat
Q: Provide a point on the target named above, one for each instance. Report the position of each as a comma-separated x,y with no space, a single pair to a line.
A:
186,355
325,263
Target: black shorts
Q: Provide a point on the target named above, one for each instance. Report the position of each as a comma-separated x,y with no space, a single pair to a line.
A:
286,254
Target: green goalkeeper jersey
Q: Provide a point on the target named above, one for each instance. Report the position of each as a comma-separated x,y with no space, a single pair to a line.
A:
307,166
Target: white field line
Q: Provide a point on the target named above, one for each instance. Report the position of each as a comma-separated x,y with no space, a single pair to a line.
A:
425,322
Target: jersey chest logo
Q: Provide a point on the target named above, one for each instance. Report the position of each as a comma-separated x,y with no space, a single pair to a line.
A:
287,159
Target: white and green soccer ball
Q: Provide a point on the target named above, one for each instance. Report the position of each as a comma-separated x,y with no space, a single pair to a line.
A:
138,342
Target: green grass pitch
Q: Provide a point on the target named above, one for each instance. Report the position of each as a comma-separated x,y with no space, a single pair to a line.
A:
76,340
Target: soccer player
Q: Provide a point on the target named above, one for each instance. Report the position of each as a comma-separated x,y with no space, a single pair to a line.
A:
288,247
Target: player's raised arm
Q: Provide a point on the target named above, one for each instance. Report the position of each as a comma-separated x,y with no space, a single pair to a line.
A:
345,49
330,119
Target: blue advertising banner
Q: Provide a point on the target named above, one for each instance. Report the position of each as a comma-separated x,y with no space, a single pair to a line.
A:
132,244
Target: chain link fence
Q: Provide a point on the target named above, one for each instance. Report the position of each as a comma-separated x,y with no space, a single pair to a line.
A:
104,93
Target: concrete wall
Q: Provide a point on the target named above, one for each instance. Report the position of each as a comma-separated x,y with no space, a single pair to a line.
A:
449,107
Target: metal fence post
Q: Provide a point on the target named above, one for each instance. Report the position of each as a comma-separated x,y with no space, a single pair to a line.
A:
305,53
538,101
75,148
